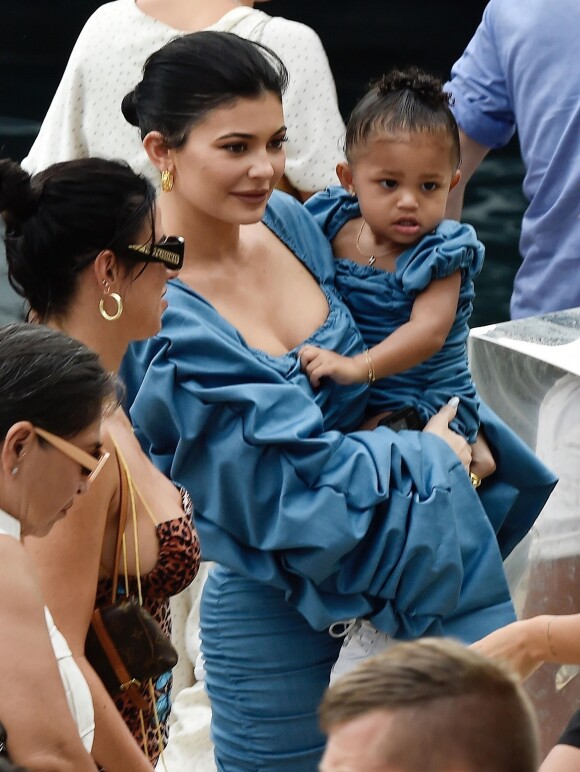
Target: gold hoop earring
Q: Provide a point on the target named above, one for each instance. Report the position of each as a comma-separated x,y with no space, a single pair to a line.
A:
118,300
166,180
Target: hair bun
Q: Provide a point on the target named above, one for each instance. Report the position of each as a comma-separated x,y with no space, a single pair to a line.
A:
425,86
129,108
18,198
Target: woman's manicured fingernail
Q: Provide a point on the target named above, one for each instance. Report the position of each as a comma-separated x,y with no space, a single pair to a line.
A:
453,402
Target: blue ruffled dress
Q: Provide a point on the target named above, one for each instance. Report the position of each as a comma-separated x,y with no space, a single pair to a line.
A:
381,302
309,525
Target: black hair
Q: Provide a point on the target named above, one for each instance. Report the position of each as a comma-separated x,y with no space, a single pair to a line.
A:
58,221
406,101
196,73
6,764
51,380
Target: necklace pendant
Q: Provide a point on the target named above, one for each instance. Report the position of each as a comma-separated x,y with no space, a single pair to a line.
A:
372,259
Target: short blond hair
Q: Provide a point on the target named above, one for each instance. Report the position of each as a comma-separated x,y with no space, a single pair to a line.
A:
449,706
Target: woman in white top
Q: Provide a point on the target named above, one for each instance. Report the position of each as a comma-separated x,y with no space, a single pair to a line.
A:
85,117
53,393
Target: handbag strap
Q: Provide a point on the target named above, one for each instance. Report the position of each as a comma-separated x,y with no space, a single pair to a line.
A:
123,514
127,684
128,491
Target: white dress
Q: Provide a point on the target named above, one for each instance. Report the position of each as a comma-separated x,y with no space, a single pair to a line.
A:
76,688
85,116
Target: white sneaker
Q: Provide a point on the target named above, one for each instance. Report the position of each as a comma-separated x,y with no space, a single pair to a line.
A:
361,642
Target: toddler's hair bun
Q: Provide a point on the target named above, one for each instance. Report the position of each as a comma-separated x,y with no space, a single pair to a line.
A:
425,86
129,108
19,200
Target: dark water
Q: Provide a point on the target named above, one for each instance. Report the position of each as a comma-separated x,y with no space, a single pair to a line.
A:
494,205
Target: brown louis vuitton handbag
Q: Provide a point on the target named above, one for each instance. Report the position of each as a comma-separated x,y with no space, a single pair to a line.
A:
125,645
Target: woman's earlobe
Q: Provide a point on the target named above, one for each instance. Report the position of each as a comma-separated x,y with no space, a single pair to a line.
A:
157,150
105,267
13,449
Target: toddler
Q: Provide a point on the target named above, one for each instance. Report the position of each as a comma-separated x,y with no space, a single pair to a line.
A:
405,272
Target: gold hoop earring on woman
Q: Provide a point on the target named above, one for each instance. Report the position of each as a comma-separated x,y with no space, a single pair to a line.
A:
118,300
166,180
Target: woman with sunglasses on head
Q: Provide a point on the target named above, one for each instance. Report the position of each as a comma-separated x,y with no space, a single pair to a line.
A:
85,249
310,520
54,391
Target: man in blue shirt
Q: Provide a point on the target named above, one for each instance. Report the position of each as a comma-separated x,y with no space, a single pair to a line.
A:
521,70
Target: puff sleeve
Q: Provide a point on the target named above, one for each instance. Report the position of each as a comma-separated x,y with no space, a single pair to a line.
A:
363,524
451,247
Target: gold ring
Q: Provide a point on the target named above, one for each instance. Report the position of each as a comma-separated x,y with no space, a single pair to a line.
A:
475,479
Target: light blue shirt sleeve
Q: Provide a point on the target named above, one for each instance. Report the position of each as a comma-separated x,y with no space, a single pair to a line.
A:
482,103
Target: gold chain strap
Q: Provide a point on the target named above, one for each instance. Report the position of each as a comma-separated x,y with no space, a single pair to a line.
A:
127,479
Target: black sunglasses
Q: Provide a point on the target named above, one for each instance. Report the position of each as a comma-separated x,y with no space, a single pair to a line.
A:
169,251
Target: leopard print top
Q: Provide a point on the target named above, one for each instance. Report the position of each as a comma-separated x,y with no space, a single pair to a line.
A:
177,565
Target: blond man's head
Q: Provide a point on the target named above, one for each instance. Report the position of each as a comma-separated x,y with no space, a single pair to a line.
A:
430,706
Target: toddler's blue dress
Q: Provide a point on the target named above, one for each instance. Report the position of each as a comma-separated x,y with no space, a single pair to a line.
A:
381,302
310,525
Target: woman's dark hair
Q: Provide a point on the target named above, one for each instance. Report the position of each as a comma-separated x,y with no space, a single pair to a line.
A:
58,221
194,74
407,101
51,380
6,764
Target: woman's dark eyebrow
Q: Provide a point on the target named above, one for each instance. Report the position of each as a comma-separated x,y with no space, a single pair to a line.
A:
241,135
237,135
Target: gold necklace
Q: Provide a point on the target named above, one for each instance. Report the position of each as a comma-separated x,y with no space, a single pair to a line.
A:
372,259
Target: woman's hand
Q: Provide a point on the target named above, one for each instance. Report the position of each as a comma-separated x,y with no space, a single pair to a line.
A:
482,461
439,425
520,645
